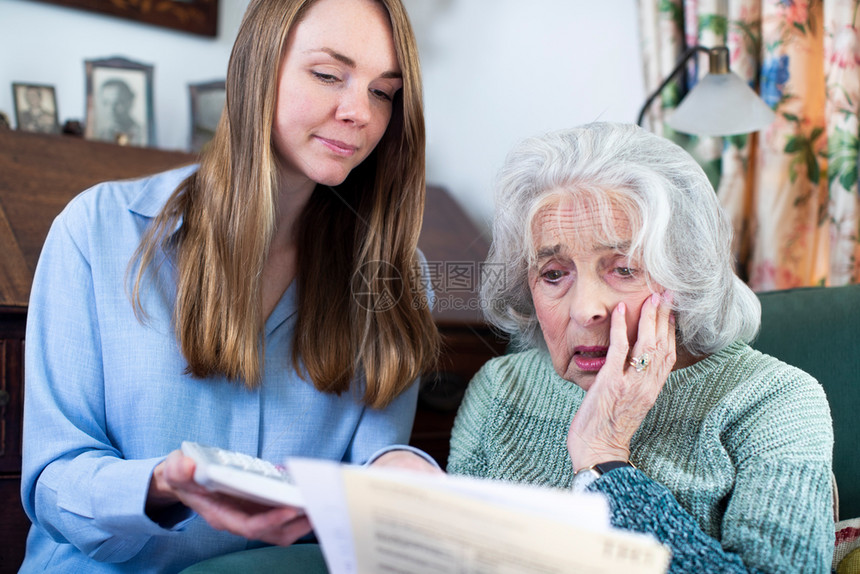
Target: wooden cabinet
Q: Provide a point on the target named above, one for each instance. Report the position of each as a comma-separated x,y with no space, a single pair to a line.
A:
13,521
39,174
455,250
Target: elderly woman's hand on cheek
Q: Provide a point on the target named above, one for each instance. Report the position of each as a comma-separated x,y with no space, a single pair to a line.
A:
626,387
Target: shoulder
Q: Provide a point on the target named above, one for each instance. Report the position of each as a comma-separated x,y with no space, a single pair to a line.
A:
144,196
519,377
740,382
108,214
756,376
780,404
742,371
517,366
501,384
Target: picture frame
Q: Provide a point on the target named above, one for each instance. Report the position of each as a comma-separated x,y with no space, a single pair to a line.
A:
193,16
35,108
207,104
120,102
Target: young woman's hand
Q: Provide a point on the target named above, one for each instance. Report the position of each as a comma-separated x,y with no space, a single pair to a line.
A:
407,460
616,404
173,481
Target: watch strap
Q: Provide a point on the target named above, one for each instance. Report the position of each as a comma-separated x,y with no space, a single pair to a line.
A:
583,478
605,467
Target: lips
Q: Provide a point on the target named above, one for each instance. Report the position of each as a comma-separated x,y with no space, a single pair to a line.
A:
590,358
340,148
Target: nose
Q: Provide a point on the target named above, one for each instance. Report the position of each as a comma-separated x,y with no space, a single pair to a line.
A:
588,302
354,106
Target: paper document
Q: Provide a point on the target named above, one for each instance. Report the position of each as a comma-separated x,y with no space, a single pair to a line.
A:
371,520
322,488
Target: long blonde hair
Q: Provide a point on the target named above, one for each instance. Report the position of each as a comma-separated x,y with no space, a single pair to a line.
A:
371,224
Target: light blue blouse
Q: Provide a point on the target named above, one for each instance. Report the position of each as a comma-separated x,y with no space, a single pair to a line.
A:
107,398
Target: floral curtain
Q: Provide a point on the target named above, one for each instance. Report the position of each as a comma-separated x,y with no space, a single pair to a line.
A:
791,189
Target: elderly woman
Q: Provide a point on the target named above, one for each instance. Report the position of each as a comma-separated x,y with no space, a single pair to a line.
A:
638,381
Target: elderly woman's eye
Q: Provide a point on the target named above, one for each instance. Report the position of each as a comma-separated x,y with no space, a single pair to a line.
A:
553,275
625,271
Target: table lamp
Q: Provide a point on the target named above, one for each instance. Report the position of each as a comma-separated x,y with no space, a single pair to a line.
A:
720,104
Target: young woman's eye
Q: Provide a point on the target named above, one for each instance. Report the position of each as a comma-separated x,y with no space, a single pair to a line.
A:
325,78
382,95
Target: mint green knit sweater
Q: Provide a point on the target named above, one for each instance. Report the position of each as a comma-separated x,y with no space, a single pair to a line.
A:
734,458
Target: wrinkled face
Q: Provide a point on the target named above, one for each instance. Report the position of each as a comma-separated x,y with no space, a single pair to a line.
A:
580,276
337,81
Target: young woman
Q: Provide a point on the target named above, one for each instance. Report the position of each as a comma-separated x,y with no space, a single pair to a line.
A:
235,303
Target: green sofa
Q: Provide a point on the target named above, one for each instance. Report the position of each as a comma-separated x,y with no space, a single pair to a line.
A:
818,330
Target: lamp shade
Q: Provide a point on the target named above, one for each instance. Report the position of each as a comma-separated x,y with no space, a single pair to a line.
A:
721,104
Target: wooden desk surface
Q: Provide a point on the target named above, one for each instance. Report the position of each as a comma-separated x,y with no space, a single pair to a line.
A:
39,174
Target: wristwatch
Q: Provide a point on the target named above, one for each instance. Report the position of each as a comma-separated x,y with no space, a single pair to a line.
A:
585,476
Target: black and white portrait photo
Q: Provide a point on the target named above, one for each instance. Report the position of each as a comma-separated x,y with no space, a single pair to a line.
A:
119,102
207,103
36,108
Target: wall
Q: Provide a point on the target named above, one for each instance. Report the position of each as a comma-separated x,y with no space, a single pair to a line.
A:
494,72
47,44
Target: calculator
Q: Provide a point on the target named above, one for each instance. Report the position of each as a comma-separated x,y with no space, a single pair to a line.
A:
242,475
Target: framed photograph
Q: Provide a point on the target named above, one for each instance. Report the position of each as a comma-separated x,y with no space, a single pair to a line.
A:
207,103
194,16
36,108
119,102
